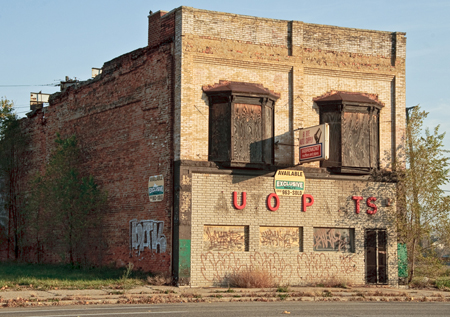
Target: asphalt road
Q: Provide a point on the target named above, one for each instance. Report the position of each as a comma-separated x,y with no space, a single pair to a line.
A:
240,309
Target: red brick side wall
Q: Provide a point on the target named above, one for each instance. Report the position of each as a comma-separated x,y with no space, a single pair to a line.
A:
161,28
123,123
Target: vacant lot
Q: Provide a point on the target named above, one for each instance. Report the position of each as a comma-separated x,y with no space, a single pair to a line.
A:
45,276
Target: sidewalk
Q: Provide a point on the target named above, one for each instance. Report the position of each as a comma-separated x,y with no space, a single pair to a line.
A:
170,294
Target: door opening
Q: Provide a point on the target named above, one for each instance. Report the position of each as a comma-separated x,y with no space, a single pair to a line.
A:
375,252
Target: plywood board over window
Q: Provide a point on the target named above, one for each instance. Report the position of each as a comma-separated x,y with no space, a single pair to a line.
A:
247,133
334,239
354,131
280,239
225,238
241,124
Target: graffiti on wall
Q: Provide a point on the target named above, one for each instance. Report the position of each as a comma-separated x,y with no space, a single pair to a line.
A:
147,234
332,239
310,267
215,266
276,238
225,238
320,266
274,263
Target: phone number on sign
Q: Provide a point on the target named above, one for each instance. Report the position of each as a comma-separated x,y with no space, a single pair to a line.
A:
291,192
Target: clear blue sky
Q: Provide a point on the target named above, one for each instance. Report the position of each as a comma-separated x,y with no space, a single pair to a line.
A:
42,41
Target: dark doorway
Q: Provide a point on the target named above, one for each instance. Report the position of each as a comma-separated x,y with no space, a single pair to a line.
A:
375,250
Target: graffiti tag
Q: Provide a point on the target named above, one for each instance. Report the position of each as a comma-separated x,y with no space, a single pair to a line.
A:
147,234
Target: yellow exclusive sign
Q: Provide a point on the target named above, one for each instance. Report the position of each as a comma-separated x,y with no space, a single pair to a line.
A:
289,183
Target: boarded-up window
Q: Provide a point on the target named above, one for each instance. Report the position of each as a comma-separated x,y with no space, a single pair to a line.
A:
354,131
281,239
334,239
219,131
241,124
225,238
247,141
355,142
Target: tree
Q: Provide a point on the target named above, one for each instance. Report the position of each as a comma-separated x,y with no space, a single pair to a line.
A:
66,207
13,144
425,207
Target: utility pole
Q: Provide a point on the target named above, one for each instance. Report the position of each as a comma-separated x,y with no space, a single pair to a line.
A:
415,214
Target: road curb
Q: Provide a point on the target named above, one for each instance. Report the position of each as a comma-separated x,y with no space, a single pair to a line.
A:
168,294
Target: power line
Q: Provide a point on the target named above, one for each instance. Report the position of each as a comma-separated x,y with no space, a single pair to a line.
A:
55,85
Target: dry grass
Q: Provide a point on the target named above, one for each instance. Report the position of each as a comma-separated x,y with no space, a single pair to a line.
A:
159,279
420,282
250,278
432,269
335,282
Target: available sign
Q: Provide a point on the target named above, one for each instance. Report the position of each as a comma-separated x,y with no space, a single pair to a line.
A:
289,183
314,143
156,188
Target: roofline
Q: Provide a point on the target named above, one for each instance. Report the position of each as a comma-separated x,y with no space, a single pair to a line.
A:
181,8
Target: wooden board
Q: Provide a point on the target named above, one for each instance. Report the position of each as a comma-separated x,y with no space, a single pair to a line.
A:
247,134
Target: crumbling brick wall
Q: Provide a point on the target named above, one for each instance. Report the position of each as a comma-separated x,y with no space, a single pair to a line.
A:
122,120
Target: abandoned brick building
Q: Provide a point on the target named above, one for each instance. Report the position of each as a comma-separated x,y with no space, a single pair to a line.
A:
189,134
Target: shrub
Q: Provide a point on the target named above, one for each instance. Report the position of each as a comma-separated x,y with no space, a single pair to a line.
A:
250,278
419,282
443,283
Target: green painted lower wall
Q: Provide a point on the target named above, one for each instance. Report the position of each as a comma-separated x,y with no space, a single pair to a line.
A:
185,258
402,255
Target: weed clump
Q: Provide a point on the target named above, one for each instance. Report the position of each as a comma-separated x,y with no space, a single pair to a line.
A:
334,282
327,293
250,278
282,289
159,279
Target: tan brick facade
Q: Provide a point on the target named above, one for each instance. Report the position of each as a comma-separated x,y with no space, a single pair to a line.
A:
299,61
333,207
